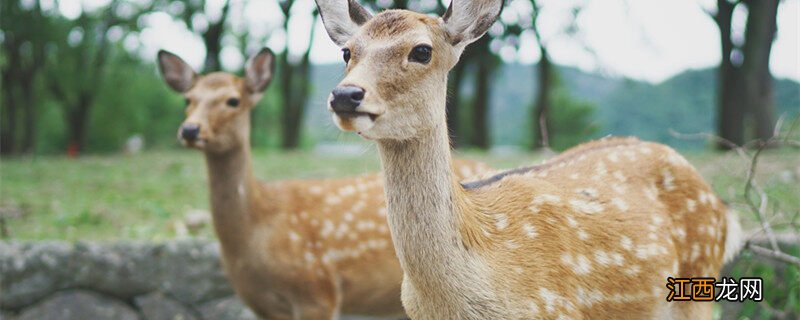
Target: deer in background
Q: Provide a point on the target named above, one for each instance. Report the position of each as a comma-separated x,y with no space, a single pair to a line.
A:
591,234
291,249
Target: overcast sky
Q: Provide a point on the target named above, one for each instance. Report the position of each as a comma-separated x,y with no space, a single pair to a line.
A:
642,39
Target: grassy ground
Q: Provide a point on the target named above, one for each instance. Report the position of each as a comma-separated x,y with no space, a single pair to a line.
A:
141,196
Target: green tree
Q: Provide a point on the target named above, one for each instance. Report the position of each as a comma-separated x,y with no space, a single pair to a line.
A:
77,64
26,31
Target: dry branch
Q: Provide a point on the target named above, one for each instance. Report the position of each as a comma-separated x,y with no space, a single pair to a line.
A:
759,209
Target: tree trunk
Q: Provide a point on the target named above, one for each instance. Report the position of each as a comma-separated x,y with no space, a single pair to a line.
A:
78,121
8,126
453,104
758,84
295,89
730,97
541,110
29,115
212,39
480,105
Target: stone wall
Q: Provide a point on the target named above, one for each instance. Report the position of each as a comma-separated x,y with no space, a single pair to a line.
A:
126,280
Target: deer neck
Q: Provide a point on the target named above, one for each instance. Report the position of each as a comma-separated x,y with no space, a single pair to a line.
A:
233,189
423,199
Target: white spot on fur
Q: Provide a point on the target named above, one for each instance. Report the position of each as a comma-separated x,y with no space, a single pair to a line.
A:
680,233
383,229
657,220
613,157
382,212
579,264
587,207
618,188
332,199
600,170
512,245
691,205
583,235
651,192
571,222
647,251
543,199
574,176
621,204
309,257
588,297
602,257
533,307
341,231
530,230
347,190
348,216
668,180
315,190
695,252
626,243
630,155
632,270
619,260
501,221
550,299
294,236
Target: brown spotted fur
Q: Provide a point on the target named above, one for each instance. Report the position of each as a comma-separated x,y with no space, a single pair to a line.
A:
591,234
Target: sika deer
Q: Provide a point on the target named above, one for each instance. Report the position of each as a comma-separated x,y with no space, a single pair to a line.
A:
593,233
291,249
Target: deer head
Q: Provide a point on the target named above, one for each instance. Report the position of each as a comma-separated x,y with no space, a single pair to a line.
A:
397,64
218,104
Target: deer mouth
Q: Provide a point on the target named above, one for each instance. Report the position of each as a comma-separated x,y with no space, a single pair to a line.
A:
356,114
199,144
356,121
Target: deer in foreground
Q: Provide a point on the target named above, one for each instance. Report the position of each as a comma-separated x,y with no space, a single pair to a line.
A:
591,234
291,249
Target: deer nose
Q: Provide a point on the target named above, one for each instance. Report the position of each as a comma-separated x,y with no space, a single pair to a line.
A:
190,131
346,98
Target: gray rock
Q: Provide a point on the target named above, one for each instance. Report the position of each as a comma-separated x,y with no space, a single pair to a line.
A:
226,309
31,271
187,270
157,306
78,305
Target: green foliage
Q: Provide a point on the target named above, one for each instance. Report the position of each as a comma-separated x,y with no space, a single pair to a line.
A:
781,285
572,120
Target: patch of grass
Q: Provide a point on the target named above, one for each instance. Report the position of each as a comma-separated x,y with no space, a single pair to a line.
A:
141,196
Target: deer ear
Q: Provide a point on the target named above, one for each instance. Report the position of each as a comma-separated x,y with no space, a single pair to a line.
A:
341,19
258,72
467,20
176,72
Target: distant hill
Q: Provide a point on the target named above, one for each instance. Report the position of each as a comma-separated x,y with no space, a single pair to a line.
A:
684,103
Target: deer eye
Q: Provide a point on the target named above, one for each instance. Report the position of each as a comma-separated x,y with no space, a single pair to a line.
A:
421,54
188,101
346,55
232,102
